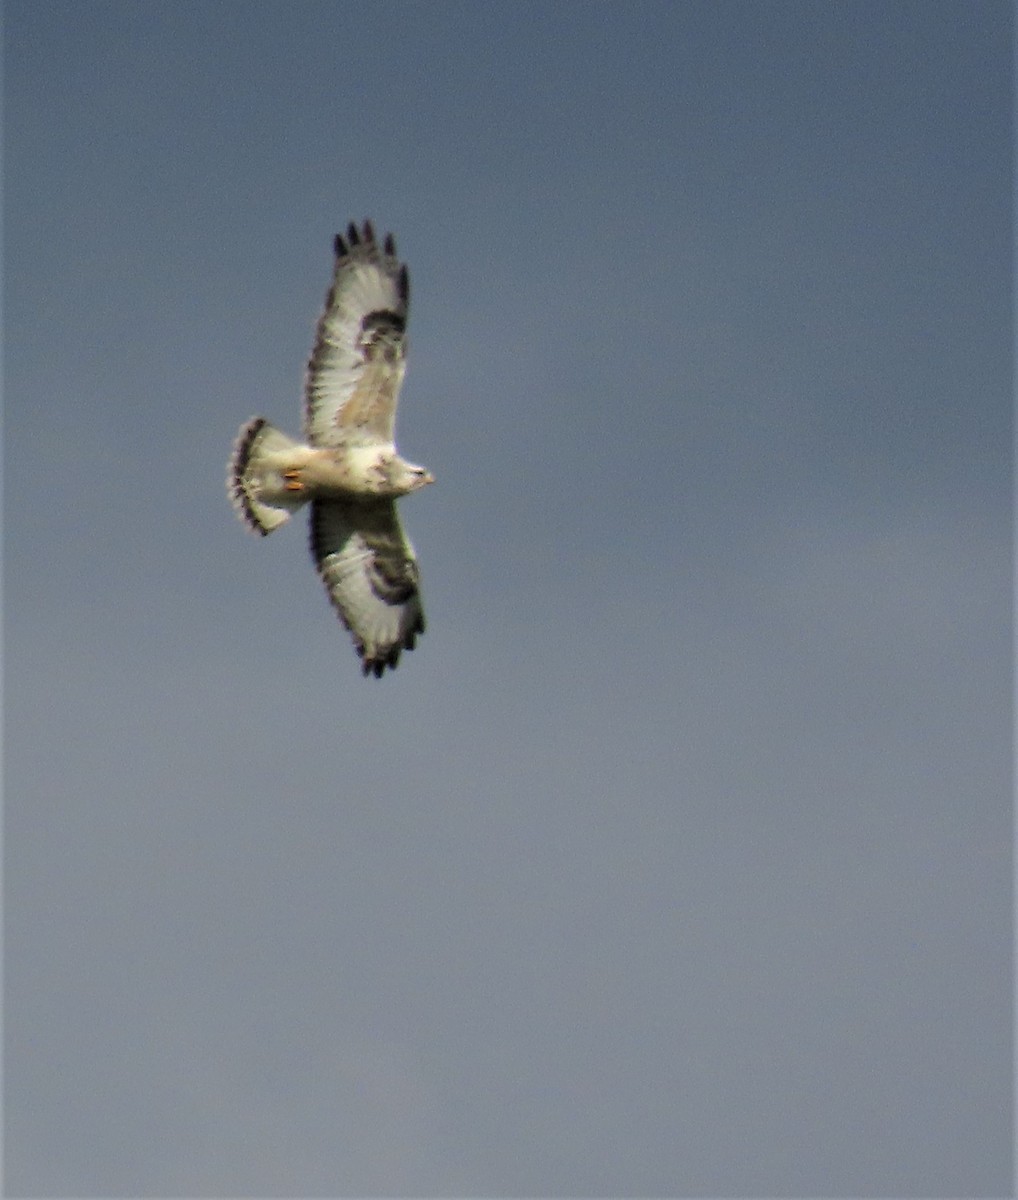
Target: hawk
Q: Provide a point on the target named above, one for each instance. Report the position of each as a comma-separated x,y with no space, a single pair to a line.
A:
347,467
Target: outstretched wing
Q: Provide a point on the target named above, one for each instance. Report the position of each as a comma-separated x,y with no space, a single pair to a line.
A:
370,572
356,368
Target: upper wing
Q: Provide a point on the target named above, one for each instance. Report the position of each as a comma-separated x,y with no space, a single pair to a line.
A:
356,368
370,572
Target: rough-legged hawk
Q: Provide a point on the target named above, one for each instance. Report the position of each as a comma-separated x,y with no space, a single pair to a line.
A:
347,467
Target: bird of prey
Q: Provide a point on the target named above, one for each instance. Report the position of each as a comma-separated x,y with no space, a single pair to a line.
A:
347,467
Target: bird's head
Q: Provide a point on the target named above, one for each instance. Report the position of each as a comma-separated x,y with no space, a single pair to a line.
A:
409,477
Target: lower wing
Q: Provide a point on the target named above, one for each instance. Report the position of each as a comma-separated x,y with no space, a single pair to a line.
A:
370,572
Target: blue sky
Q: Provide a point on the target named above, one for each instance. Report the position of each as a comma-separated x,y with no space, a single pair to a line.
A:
676,860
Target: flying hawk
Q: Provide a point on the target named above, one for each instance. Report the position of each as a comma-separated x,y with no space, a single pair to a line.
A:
347,467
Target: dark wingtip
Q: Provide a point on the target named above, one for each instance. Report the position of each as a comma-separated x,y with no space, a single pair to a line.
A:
340,246
390,245
369,233
352,236
372,666
376,666
404,284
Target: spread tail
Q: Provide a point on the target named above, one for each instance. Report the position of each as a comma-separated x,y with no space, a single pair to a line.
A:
255,482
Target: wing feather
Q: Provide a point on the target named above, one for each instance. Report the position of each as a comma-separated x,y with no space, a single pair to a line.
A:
370,572
359,358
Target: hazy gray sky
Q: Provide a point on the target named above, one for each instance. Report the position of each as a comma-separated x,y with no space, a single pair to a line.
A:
676,861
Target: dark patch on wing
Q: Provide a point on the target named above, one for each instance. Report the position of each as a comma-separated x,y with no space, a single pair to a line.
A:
393,580
381,335
383,321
